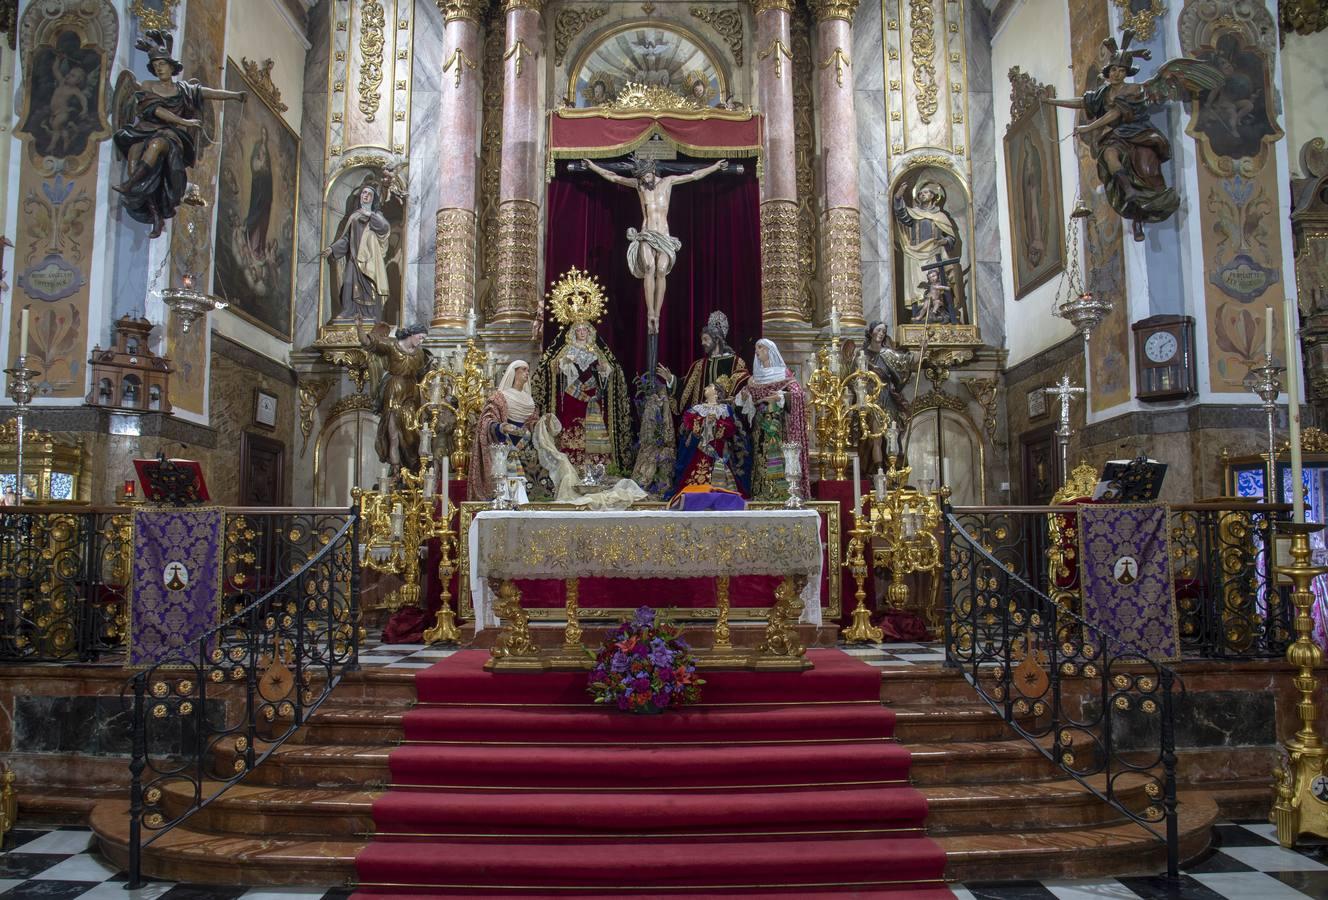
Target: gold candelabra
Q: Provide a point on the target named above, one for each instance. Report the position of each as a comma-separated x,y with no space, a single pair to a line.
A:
1301,804
903,521
861,631
469,386
844,405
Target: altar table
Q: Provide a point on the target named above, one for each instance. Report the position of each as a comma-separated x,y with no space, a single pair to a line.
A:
654,543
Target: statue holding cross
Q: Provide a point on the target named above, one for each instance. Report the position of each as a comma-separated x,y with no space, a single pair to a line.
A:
935,303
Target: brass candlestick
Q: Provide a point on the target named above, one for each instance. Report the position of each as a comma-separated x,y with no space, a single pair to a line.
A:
861,631
1301,805
843,405
905,520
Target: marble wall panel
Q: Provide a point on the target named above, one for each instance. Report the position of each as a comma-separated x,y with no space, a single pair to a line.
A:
426,146
873,166
313,153
233,383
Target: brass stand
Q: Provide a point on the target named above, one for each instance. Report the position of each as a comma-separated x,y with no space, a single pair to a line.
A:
782,649
573,655
838,420
721,654
444,630
513,651
1301,806
861,631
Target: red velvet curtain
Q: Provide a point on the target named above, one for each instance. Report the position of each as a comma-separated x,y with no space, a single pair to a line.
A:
719,265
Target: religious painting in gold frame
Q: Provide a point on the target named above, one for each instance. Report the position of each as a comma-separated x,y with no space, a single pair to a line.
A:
650,54
257,189
828,510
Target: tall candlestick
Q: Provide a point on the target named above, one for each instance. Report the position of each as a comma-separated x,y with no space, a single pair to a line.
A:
857,487
1268,332
1291,315
23,331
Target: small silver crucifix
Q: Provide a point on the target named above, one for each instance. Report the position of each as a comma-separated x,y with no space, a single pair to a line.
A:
1064,392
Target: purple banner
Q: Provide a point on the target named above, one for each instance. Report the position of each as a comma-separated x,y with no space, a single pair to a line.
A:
176,594
1125,576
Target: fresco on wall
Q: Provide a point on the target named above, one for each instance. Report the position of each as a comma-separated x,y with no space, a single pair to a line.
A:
63,116
647,55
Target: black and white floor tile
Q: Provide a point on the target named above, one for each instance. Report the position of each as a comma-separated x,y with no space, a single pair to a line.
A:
400,656
1245,863
891,656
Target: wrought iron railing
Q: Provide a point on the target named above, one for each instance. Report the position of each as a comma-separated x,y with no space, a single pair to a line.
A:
1095,706
205,716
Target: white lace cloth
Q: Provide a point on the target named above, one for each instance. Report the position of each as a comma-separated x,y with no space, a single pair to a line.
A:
656,543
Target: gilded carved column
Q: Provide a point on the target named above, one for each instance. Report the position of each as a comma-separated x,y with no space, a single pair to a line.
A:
780,300
454,267
839,156
520,186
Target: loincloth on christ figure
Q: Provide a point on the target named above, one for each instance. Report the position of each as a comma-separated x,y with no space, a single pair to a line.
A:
666,251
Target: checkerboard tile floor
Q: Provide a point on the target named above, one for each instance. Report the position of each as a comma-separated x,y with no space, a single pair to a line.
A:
1245,863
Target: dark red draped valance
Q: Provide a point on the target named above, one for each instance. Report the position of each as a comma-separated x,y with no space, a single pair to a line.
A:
573,134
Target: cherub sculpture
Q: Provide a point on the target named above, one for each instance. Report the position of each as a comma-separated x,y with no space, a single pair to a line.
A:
1128,149
159,127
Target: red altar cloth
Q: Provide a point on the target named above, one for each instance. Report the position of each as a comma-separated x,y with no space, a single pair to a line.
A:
573,134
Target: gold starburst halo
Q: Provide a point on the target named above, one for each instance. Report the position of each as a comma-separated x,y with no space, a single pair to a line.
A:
577,297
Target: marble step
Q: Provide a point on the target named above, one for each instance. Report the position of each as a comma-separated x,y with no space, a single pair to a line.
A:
1124,848
186,853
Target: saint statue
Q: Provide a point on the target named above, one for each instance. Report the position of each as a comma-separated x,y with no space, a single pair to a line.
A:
704,449
582,384
935,302
719,366
651,252
361,246
508,416
893,367
404,362
157,132
774,403
1129,150
926,232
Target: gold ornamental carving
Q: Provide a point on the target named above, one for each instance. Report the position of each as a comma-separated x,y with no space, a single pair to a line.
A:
518,262
1026,95
777,49
651,98
761,6
467,10
803,70
1142,22
780,295
148,18
825,10
571,21
535,6
518,51
843,262
491,161
372,21
985,392
460,62
727,22
922,43
839,59
312,392
259,77
1302,16
359,401
454,267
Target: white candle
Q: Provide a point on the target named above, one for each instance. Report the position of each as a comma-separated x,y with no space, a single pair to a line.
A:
436,394
446,489
1268,333
430,481
23,331
398,522
1291,333
384,477
857,487
879,479
350,475
470,324
426,442
834,321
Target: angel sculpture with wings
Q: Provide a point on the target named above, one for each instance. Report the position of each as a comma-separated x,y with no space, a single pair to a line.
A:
1129,150
158,127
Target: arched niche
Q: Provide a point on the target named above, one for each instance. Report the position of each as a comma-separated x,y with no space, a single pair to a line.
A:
957,206
945,448
340,202
650,53
344,456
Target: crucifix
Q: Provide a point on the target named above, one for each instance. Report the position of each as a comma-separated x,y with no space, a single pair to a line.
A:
1063,392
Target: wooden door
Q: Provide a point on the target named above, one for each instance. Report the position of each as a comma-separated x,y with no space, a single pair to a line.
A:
262,471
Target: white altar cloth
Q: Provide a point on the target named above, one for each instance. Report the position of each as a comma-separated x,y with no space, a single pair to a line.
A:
654,543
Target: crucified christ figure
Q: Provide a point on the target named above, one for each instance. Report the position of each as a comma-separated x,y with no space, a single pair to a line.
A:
651,252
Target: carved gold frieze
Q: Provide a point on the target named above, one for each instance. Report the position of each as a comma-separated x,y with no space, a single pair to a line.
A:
839,59
468,10
935,335
532,5
780,51
652,98
372,21
352,402
825,10
843,262
571,21
922,45
727,22
454,267
491,161
259,77
780,282
804,153
518,262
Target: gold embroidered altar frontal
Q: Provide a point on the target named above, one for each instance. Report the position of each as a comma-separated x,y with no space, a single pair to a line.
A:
657,543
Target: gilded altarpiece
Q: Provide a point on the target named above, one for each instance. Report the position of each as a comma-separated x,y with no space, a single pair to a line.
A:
1234,129
66,56
191,229
1104,254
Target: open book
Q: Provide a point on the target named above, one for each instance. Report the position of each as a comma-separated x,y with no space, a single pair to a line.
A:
1137,480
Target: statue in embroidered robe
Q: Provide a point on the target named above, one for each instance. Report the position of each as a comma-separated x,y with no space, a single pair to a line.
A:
774,403
582,384
705,446
508,417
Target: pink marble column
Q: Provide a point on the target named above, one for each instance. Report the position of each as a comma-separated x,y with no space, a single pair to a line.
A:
520,186
458,162
840,227
780,281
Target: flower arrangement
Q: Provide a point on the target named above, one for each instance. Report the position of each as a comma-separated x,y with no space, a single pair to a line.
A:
645,667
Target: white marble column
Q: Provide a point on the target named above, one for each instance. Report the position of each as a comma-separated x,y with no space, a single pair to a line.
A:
780,301
458,164
840,228
520,186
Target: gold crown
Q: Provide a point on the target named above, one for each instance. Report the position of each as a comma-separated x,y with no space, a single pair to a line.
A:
577,297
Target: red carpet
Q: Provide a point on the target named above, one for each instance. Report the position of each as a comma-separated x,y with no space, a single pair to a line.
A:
777,783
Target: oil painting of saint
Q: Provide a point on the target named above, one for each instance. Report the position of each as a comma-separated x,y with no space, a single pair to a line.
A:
1032,164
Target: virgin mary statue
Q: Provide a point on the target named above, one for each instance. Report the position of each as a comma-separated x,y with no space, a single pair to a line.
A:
774,402
508,417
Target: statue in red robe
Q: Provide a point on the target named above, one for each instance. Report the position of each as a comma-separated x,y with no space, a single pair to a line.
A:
583,385
705,447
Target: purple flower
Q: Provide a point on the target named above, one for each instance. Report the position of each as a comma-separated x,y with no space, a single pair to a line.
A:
645,617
